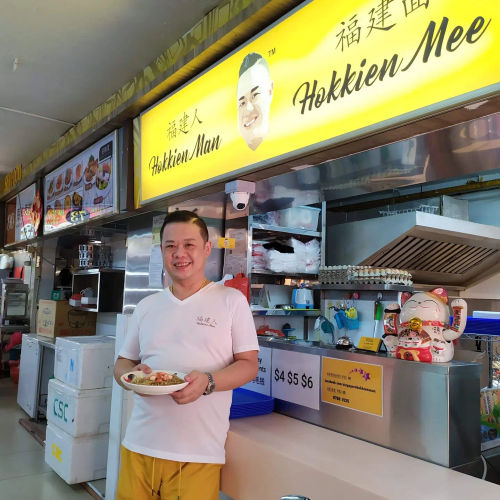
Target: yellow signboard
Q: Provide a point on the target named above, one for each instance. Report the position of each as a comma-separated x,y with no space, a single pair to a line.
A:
369,344
354,385
328,72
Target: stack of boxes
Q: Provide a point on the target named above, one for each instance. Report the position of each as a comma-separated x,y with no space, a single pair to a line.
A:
78,408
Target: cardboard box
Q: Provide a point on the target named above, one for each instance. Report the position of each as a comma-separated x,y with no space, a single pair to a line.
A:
59,319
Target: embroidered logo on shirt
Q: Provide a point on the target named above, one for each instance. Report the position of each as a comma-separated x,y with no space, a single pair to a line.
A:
206,321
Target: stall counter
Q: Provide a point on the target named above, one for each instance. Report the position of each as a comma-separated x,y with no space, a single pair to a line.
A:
274,455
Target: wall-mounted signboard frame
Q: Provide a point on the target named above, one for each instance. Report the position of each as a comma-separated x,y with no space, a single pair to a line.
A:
327,73
83,188
22,215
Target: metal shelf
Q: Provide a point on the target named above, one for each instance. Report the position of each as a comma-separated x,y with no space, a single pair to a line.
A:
285,230
286,312
287,275
89,309
97,270
365,287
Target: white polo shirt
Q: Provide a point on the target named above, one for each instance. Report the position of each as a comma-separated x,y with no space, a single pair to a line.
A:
201,333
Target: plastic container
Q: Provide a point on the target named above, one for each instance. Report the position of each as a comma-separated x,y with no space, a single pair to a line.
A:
247,403
85,362
14,373
76,460
79,413
240,282
300,217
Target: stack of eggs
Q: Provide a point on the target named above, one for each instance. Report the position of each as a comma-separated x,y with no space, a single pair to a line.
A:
367,275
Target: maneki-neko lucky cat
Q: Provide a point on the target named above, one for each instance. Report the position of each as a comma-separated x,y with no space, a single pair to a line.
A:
420,330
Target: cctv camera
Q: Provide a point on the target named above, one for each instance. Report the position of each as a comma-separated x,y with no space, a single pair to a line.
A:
240,200
240,192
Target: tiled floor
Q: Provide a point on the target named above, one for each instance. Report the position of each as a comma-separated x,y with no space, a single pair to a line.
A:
23,472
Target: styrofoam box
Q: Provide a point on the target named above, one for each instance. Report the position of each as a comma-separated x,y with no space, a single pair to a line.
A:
79,413
85,362
76,460
300,217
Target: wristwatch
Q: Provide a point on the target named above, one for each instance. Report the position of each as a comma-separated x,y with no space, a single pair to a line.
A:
211,384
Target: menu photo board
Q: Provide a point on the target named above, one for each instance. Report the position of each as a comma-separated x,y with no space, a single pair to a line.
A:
83,188
23,215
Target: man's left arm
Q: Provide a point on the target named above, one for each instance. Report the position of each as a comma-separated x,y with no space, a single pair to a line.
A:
244,368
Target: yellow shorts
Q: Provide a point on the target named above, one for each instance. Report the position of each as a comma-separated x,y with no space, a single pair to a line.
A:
143,477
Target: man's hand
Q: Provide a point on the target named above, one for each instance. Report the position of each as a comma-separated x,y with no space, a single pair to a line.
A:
198,382
124,365
141,368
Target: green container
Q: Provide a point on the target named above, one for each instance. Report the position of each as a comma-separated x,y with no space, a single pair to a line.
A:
57,295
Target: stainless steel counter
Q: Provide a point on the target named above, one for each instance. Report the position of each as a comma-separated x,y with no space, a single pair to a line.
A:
430,411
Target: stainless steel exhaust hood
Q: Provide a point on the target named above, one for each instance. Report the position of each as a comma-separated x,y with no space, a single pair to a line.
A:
435,249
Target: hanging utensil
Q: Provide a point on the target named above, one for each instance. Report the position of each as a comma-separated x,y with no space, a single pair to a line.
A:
378,310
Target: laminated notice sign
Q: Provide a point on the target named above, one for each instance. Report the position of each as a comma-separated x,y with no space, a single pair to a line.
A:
295,377
353,385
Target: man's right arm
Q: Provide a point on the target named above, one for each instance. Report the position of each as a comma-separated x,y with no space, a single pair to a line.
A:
124,365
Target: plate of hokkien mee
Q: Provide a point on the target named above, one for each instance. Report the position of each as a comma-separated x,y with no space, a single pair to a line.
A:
155,383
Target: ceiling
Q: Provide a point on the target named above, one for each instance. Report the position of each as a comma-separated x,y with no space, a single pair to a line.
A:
60,60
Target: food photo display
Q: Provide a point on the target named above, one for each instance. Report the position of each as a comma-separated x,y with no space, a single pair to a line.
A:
83,188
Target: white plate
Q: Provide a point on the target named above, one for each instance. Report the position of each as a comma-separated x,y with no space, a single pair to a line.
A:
153,389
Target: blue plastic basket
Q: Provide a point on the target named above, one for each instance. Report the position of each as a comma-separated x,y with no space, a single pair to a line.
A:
482,326
249,403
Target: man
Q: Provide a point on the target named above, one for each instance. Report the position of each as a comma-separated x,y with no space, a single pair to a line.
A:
254,94
174,444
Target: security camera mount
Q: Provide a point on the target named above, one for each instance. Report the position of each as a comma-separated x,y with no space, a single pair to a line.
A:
240,186
240,192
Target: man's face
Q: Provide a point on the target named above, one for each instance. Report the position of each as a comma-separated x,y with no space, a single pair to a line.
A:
255,92
184,252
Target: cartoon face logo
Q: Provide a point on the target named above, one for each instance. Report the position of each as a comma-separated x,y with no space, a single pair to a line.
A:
254,96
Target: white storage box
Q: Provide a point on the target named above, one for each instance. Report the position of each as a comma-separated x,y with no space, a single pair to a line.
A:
300,217
79,413
76,460
85,362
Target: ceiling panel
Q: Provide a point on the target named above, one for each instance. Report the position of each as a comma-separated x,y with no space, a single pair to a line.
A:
23,137
73,55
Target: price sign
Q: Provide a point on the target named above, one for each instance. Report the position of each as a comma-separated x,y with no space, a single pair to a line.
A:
77,216
295,377
262,382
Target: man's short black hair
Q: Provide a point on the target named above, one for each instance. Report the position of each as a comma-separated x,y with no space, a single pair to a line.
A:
185,216
252,59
